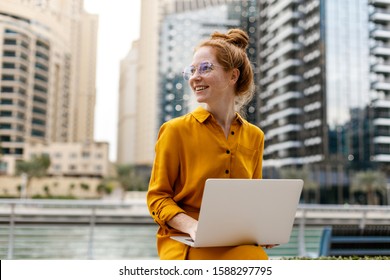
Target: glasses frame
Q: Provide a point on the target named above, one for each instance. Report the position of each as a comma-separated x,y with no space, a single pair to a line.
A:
204,68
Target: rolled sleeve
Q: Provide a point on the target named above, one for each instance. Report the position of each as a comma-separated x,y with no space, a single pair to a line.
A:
163,215
161,203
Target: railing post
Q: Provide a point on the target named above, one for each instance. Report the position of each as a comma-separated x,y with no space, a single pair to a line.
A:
10,254
91,233
363,220
301,234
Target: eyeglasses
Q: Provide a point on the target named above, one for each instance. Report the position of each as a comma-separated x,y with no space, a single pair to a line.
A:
203,69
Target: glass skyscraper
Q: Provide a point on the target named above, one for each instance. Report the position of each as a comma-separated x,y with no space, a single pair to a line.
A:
324,88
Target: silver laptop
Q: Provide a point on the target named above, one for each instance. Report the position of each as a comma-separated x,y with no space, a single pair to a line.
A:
246,211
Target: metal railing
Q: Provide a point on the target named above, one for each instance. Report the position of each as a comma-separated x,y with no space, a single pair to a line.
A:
78,212
15,213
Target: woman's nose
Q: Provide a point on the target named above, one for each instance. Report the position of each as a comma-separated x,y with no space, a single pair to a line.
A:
195,76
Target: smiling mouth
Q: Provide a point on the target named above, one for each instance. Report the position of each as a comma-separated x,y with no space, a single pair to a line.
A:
200,88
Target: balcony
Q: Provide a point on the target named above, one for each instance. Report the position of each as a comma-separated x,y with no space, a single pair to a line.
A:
381,51
284,65
282,130
382,140
380,34
284,49
281,114
380,16
280,6
284,97
381,122
379,2
282,146
282,162
381,85
285,81
381,158
312,141
381,103
282,19
381,68
283,34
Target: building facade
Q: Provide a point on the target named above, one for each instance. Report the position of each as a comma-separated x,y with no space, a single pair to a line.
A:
323,88
72,159
127,110
47,74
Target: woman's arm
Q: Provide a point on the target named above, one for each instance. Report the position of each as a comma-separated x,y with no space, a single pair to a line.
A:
163,208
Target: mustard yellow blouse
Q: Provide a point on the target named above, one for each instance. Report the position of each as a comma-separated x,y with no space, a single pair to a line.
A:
189,150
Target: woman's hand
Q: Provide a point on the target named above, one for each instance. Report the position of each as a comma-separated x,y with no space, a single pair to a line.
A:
192,230
184,223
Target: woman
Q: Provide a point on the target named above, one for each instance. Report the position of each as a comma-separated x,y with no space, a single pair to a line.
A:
210,142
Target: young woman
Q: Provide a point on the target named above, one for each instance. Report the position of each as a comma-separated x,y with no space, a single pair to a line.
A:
213,141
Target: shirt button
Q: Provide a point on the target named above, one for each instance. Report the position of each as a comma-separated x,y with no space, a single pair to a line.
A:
226,171
227,151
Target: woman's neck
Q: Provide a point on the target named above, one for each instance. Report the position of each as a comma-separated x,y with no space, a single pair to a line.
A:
223,115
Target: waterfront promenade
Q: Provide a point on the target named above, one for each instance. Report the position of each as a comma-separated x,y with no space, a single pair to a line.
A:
94,229
135,211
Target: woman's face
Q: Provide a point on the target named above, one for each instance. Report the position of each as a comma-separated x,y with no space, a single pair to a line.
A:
210,84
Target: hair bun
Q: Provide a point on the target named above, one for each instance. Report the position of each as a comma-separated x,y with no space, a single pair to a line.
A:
236,36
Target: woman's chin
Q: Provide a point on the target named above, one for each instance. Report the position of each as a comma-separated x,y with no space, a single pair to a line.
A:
201,99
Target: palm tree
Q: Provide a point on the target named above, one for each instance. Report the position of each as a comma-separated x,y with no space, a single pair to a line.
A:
369,182
303,173
35,168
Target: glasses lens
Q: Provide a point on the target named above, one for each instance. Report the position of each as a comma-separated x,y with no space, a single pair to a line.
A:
188,72
204,68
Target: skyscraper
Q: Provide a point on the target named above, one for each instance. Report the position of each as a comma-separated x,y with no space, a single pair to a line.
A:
323,87
48,66
127,111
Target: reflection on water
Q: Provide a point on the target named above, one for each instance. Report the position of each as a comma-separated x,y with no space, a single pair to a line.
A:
111,242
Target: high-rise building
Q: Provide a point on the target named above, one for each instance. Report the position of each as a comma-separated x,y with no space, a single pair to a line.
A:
127,113
324,87
378,110
48,69
146,96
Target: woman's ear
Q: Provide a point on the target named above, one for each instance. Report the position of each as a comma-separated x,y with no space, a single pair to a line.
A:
235,75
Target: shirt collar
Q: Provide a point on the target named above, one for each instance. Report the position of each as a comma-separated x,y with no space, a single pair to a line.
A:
202,115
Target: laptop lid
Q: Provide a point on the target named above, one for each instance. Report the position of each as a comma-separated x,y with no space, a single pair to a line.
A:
247,211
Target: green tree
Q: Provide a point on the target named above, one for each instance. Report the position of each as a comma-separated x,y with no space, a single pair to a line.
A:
369,182
84,186
35,168
309,184
46,189
105,187
128,179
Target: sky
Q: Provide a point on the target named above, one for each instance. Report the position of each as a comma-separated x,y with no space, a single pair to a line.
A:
119,26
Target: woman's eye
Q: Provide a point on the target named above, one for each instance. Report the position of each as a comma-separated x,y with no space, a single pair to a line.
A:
204,68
